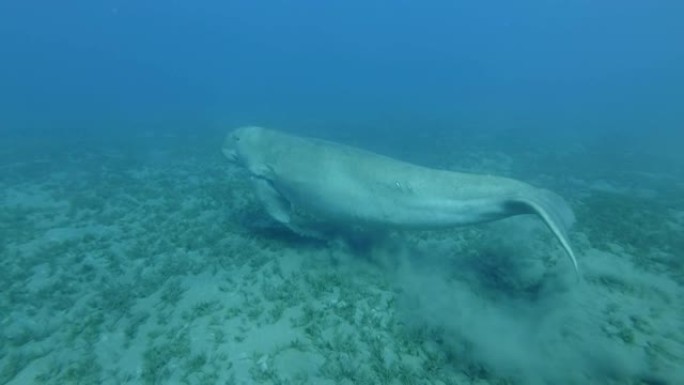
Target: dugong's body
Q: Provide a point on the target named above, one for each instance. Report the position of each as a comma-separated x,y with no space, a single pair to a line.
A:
346,186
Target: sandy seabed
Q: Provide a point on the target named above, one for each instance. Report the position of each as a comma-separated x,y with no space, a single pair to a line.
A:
160,267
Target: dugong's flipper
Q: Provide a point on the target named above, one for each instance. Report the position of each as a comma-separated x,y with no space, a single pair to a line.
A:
276,206
280,209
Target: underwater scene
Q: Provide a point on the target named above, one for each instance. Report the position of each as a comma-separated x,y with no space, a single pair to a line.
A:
300,192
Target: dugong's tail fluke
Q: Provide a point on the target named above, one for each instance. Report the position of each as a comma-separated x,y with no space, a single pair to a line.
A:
557,215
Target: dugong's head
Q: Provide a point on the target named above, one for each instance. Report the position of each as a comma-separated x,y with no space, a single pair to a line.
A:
244,145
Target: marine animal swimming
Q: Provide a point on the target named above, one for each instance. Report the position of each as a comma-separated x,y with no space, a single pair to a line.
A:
304,181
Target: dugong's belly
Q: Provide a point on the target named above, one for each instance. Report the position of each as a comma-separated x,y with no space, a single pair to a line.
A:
348,201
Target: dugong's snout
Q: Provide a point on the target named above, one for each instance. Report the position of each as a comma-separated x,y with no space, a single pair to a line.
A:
229,148
242,144
231,154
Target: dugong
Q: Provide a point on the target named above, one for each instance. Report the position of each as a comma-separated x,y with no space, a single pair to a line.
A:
350,187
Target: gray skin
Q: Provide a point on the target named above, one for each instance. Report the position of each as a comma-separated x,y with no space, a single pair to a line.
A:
350,187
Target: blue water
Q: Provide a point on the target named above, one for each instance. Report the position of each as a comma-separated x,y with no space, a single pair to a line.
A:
554,66
132,251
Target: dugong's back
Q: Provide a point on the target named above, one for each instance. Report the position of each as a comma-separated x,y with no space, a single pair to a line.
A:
301,153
